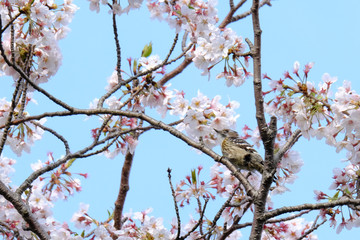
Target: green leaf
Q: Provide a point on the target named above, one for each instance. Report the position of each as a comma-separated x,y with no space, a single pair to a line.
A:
135,65
147,50
111,214
193,176
335,197
291,93
70,162
149,236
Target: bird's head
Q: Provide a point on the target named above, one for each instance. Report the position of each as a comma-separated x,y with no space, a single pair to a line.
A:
227,133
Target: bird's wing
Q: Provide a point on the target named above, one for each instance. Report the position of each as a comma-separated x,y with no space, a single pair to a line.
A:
241,143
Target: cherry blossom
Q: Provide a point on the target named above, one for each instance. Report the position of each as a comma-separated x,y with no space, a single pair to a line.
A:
39,43
293,229
31,43
23,136
116,7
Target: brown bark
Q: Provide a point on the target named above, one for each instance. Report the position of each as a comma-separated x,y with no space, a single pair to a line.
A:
124,188
267,134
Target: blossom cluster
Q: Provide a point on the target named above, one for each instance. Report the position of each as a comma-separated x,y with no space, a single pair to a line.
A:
227,186
61,183
346,184
212,44
32,45
40,199
315,113
319,114
116,7
21,137
40,206
290,164
6,169
38,26
193,187
138,225
200,115
292,229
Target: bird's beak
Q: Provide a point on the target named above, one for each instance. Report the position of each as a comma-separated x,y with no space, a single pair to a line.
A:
218,131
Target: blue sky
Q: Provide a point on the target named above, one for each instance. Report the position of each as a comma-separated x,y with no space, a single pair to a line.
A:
324,32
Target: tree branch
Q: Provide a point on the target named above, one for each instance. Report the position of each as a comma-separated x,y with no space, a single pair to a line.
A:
199,223
124,188
12,19
9,117
79,154
175,205
267,134
172,47
174,72
289,144
248,224
247,13
229,16
24,211
256,54
312,229
309,206
218,214
287,218
24,76
57,135
118,49
156,124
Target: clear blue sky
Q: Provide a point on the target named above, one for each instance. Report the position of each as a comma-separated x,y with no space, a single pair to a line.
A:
324,32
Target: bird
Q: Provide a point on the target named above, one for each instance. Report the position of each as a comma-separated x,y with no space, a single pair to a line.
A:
239,152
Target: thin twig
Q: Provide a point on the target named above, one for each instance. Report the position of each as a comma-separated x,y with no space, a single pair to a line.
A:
10,22
12,37
140,74
218,214
157,125
9,117
231,4
248,224
24,76
172,47
288,218
202,212
289,144
57,135
231,13
174,72
310,206
79,154
175,205
24,211
312,229
183,41
112,137
118,49
248,13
